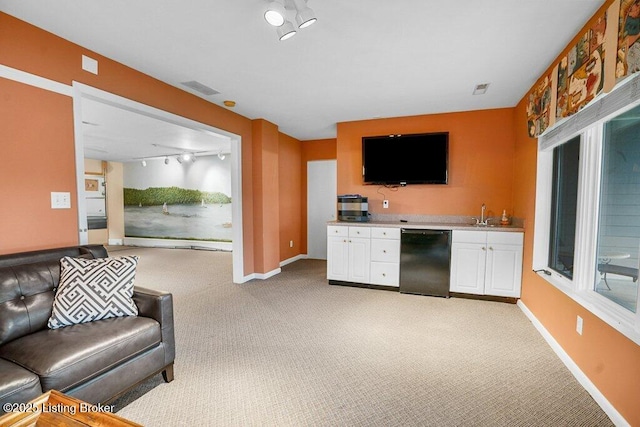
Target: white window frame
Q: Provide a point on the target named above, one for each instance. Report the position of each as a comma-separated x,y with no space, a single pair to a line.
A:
588,123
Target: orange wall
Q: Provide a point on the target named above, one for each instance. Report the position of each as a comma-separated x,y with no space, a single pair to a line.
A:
610,360
266,200
289,158
480,145
317,149
38,157
28,48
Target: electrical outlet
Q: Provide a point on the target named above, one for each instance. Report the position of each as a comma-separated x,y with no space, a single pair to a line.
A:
385,204
579,325
290,243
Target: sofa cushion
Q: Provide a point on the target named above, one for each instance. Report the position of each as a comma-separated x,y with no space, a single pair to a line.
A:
17,385
65,357
28,281
94,289
26,295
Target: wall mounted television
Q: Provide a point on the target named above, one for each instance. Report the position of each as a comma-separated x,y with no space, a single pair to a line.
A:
406,159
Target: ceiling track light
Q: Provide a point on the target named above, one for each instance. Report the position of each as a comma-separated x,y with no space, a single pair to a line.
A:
276,15
166,160
179,159
143,163
221,156
305,16
286,31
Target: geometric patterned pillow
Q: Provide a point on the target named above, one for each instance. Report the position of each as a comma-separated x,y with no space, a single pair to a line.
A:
94,289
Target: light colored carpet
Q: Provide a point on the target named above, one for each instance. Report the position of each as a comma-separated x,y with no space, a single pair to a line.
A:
295,351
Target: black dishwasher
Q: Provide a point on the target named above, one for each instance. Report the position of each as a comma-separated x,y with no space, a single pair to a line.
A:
424,262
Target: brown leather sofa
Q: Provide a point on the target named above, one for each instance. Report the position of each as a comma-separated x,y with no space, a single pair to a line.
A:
96,361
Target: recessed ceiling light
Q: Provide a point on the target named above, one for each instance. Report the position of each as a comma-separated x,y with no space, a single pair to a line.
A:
481,89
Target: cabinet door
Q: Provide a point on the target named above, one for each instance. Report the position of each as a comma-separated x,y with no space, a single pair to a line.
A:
338,258
468,268
504,270
359,259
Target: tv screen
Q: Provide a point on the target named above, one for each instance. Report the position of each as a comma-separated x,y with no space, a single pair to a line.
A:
405,159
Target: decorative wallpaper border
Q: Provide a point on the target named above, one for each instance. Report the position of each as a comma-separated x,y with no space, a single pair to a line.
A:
579,76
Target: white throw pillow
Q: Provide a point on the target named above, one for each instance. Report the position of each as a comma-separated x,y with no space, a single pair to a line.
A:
94,289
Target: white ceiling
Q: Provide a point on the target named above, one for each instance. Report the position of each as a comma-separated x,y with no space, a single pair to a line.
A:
363,59
114,134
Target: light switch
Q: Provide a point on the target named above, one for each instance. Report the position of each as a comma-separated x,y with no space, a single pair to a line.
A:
60,200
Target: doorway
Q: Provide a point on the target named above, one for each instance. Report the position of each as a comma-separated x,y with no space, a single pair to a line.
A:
321,204
83,92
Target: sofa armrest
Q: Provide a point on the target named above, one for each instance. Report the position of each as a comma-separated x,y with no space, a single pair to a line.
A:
158,305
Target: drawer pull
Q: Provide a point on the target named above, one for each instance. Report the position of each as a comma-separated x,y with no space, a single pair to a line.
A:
384,251
384,274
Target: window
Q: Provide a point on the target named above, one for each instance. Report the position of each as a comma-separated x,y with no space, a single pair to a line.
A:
564,203
587,233
619,213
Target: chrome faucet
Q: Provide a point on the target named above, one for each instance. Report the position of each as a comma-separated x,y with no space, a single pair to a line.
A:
482,220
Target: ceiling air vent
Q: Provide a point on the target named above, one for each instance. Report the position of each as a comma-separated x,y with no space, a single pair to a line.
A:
481,89
199,87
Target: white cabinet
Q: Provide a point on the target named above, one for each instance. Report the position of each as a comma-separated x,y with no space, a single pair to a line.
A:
359,254
348,253
385,256
486,262
362,254
337,253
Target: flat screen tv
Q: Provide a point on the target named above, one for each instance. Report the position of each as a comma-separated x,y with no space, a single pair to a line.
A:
405,159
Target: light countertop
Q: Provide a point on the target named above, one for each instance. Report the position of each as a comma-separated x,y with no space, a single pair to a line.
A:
432,223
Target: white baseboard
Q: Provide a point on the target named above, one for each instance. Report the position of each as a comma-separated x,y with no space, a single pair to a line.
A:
263,276
175,243
115,242
600,399
293,259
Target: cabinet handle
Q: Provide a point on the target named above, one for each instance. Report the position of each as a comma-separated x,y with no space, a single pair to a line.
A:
384,251
384,274
490,248
484,249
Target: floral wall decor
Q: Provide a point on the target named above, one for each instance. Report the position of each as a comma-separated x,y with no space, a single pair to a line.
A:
581,71
628,60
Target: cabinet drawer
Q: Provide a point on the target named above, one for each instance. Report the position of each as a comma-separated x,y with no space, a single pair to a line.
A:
385,233
359,231
505,238
385,250
336,230
385,274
